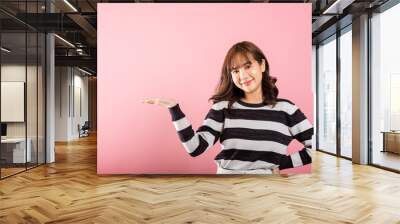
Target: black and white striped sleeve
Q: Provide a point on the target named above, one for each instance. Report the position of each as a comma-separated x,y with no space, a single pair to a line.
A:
205,136
302,130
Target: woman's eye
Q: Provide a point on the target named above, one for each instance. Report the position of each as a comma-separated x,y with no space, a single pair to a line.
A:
248,66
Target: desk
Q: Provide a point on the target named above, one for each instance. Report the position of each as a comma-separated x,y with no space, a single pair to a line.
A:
391,141
17,152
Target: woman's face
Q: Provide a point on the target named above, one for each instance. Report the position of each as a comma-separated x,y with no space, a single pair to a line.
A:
247,73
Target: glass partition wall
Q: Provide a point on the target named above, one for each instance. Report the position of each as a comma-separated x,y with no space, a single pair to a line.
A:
385,89
345,62
334,104
334,89
327,95
22,88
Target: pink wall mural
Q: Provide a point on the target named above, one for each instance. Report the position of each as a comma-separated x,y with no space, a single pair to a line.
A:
176,51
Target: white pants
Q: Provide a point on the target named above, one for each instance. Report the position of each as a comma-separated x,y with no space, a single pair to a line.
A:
258,171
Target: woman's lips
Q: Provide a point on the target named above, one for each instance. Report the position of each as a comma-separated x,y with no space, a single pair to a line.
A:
247,82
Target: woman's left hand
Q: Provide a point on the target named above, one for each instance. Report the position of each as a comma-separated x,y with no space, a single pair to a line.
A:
276,171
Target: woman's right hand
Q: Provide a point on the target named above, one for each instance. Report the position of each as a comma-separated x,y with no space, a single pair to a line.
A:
277,171
167,103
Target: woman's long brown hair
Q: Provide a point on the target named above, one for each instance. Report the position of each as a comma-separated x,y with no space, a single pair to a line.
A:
226,89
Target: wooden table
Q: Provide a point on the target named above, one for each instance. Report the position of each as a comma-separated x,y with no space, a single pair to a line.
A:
391,141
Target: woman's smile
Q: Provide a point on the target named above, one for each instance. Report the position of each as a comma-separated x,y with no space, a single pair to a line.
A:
248,82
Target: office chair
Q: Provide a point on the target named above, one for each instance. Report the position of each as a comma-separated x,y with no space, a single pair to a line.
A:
84,130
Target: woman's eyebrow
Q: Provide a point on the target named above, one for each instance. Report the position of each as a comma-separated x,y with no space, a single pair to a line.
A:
246,63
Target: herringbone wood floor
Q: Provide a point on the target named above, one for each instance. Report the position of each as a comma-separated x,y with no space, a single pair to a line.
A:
70,191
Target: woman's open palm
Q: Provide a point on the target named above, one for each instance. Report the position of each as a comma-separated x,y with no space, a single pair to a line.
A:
164,102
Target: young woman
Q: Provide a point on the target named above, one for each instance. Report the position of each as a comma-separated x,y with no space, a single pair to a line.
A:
253,125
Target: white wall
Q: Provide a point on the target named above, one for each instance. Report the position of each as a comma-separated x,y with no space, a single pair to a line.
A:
70,84
61,103
17,73
81,84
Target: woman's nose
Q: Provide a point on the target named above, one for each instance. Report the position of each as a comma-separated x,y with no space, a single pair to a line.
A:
242,73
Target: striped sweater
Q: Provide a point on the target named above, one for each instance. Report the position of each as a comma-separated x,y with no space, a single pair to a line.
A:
253,136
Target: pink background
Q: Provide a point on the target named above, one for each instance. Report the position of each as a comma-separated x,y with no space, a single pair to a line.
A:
176,51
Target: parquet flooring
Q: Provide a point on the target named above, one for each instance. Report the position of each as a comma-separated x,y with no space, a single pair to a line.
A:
70,191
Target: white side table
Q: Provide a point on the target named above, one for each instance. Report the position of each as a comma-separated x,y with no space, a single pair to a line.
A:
19,149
